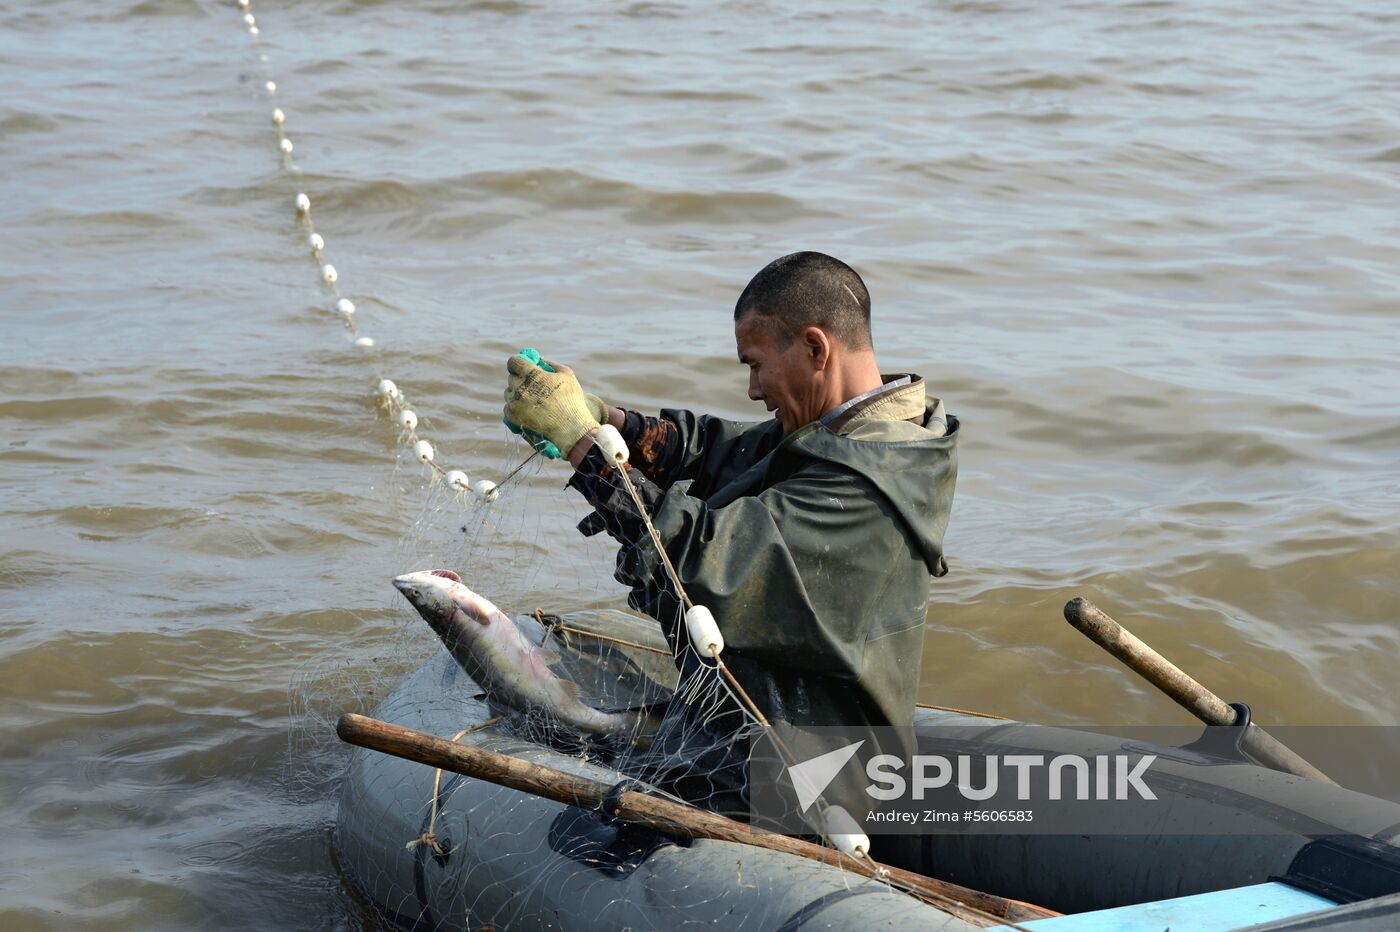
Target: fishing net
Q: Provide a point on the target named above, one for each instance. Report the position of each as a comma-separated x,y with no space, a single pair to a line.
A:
429,849
440,850
434,849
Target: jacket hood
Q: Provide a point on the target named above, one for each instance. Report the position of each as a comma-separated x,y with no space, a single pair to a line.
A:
913,465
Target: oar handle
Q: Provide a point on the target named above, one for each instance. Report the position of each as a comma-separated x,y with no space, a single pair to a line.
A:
1184,690
1094,624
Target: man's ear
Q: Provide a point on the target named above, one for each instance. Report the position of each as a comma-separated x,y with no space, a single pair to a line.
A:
817,342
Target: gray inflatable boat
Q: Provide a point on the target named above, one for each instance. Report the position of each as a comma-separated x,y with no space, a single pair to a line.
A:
1297,852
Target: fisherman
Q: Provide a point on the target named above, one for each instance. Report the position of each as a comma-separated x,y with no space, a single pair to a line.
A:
811,536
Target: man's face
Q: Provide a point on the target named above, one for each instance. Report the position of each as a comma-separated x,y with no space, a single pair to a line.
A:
784,378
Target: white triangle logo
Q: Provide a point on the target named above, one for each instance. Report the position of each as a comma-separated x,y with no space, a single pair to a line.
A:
811,777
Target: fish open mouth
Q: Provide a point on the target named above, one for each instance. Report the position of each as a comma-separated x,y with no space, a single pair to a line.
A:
414,585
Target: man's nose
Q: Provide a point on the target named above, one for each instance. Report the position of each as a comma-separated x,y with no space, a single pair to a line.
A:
755,393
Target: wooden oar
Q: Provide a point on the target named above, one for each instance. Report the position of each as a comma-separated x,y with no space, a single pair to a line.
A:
1095,624
662,815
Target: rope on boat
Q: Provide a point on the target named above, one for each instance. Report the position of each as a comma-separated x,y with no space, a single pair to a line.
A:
429,837
553,623
948,708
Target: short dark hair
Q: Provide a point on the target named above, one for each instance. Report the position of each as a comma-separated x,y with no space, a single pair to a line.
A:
810,289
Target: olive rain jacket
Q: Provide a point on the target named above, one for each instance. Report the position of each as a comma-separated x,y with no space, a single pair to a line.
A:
812,550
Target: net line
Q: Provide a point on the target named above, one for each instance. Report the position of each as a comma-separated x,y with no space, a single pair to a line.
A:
390,396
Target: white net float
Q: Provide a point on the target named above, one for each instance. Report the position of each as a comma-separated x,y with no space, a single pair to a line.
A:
408,420
611,443
271,87
346,307
486,490
303,204
286,146
278,117
844,834
243,3
329,274
316,242
248,18
457,480
254,30
704,631
388,390
424,451
364,343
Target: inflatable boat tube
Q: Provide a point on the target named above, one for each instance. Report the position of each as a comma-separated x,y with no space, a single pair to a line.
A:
511,860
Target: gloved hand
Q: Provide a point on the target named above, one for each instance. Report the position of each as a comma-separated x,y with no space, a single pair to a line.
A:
545,398
596,405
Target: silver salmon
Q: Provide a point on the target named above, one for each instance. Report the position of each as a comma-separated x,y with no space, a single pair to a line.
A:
495,653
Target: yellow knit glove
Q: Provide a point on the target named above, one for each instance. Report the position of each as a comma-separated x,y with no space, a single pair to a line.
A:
596,406
552,404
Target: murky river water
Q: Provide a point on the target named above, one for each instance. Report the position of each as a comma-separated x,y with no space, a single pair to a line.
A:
1146,251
